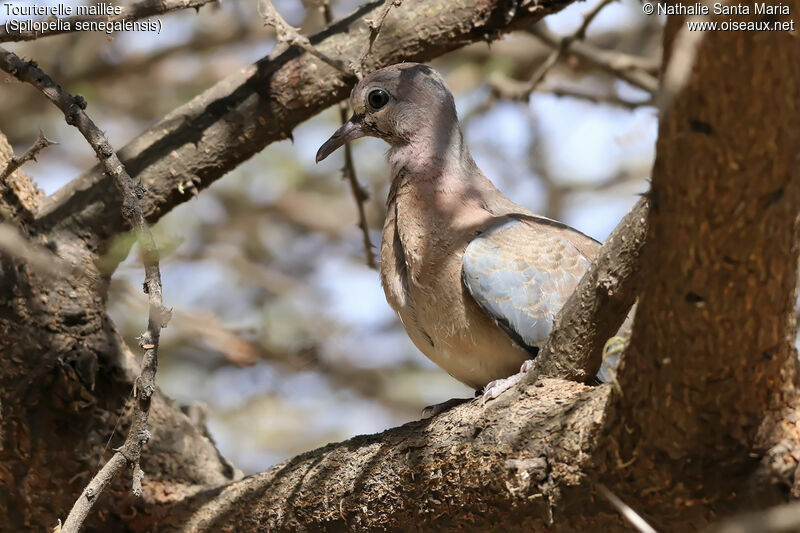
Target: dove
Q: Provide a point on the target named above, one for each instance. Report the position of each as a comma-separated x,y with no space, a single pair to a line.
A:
475,279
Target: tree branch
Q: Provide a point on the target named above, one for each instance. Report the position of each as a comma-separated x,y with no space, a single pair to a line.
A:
623,66
41,143
233,120
459,471
73,109
516,90
9,195
375,27
597,307
288,34
628,68
564,45
608,98
138,11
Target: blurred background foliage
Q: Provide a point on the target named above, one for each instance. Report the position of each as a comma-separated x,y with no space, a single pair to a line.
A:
281,336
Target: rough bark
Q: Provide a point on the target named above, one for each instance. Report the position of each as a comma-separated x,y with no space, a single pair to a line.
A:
66,378
707,413
516,464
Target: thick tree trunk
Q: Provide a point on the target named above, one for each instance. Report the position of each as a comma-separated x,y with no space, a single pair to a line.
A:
711,369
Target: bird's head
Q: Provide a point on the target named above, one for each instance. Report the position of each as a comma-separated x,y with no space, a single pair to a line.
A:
397,104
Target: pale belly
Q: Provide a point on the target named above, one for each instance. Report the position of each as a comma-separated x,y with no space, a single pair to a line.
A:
453,332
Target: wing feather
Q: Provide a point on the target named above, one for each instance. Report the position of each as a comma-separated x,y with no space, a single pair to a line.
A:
521,273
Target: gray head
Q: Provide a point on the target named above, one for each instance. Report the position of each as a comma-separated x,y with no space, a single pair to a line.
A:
398,104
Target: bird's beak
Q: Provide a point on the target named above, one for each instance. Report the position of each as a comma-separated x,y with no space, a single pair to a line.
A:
350,130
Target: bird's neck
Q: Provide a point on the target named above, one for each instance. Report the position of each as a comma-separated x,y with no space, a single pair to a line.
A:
439,188
432,156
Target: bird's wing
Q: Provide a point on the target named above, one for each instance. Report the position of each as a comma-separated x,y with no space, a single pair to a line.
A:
521,272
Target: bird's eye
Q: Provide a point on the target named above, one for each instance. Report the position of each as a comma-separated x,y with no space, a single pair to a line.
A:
377,98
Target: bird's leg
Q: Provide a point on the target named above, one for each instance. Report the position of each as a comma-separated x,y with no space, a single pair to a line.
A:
438,408
611,353
495,388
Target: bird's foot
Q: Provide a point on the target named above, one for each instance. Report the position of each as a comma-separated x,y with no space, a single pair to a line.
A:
612,350
495,388
435,409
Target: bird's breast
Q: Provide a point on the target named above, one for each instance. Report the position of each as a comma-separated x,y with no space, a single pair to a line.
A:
421,257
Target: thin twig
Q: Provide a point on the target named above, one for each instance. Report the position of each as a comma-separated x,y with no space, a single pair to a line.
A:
375,26
528,87
8,193
360,194
73,108
288,34
631,69
625,510
41,143
610,99
138,11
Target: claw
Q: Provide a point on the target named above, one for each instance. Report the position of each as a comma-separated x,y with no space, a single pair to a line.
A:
435,409
495,388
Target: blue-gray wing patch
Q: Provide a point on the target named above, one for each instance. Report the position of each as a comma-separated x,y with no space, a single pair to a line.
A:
521,274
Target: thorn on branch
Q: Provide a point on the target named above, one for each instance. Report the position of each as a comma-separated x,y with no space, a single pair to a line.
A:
30,154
